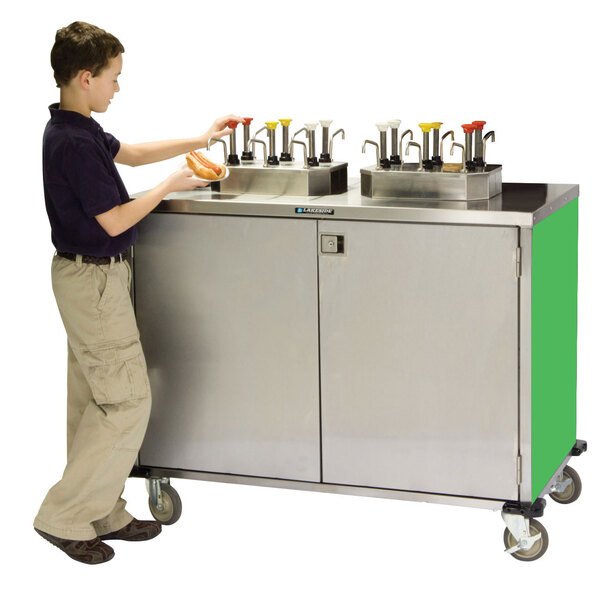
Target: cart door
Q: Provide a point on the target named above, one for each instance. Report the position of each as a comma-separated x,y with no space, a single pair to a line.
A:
419,357
227,312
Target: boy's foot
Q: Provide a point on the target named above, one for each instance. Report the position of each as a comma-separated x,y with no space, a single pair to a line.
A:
136,531
90,552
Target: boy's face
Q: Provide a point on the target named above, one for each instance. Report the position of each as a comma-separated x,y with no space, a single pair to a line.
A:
104,86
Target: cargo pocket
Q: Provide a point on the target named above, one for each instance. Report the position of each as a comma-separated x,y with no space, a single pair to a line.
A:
116,372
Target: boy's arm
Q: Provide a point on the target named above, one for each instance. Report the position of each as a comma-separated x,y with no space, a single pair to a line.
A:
135,155
150,152
124,216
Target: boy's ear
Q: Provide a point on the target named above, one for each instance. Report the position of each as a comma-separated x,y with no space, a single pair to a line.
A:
84,79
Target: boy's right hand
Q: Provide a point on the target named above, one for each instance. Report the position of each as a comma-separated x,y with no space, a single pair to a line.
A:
183,180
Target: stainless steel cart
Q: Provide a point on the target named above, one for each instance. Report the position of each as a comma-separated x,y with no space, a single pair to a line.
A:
415,350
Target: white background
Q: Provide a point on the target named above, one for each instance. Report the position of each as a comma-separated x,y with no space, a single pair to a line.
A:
528,68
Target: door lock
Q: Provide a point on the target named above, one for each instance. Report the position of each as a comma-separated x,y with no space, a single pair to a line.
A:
332,243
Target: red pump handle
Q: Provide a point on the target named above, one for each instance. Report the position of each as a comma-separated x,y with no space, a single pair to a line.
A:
479,124
468,128
232,124
248,120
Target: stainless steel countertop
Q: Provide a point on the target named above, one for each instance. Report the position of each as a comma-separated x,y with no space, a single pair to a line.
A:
519,204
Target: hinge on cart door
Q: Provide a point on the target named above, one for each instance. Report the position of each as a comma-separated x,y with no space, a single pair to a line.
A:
519,480
518,260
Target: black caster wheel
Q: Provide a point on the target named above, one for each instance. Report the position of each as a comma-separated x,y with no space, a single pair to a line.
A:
572,491
171,502
537,550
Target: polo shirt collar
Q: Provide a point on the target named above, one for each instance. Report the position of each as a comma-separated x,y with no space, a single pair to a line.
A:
72,118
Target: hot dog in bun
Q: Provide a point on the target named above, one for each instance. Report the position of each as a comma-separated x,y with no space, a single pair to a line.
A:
204,168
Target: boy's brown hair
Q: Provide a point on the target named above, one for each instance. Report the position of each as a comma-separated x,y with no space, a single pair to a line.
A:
81,46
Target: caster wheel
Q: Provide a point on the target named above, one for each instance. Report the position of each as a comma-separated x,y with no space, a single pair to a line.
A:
171,510
537,550
572,491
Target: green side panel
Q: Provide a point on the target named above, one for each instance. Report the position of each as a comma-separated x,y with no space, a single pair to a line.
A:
553,343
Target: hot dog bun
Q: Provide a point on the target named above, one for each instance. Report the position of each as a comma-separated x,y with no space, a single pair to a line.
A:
204,168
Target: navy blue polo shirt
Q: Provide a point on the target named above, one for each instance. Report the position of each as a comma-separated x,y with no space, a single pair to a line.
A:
81,181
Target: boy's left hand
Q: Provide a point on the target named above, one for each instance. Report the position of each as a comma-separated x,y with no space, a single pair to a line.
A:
219,128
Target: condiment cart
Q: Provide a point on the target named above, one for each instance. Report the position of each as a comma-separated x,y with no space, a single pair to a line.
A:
415,350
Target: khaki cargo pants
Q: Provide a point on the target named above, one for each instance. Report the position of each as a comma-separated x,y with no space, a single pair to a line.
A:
108,399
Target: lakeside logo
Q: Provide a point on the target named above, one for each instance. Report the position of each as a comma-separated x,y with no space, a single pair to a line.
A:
316,211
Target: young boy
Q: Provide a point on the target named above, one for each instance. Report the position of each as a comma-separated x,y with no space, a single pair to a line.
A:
93,226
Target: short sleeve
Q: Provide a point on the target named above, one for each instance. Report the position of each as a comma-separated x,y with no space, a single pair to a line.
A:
90,177
113,143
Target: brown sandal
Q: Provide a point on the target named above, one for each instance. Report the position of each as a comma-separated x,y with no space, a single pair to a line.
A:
90,552
135,531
